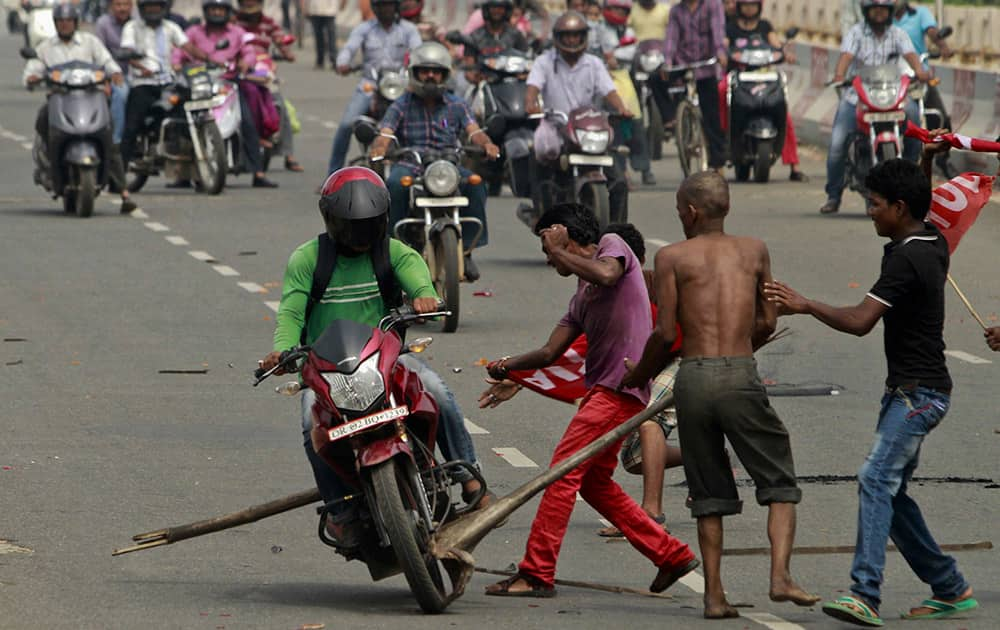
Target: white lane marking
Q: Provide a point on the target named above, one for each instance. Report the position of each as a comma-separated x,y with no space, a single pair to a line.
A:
157,227
225,270
173,239
139,214
605,522
474,428
657,242
202,256
272,305
515,458
252,287
968,358
771,621
694,581
26,145
329,125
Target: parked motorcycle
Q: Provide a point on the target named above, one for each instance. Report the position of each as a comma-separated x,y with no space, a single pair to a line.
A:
434,225
578,174
757,98
191,132
75,166
385,84
376,427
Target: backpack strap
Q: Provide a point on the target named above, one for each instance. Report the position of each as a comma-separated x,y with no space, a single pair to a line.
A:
326,260
388,286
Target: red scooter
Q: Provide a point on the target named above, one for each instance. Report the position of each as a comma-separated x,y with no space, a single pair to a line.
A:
375,426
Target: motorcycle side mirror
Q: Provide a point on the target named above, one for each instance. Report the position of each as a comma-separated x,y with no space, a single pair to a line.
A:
222,44
455,37
28,53
945,32
792,32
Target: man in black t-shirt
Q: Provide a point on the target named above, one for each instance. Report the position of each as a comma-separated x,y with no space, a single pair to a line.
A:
909,298
497,34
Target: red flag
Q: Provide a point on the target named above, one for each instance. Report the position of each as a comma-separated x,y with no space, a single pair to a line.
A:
956,204
956,140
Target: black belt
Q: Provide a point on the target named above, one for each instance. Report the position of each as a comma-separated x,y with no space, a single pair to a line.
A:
911,388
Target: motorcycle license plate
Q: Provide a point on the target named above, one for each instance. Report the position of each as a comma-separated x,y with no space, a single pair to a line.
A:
758,77
575,159
441,202
363,424
206,103
884,116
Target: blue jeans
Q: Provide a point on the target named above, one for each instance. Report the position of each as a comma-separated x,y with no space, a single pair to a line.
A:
844,124
452,438
119,96
885,509
360,103
399,204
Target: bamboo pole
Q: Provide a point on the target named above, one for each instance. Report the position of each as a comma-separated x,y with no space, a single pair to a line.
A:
607,588
966,301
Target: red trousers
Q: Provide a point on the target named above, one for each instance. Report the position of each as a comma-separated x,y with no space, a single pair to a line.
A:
790,150
601,411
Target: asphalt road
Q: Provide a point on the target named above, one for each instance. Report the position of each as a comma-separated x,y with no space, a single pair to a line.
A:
98,444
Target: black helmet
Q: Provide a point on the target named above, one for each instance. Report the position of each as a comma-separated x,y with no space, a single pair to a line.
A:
66,11
378,4
868,5
508,6
354,203
568,23
250,14
217,20
152,18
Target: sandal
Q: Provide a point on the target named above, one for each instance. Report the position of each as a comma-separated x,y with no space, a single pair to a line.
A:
940,609
614,532
536,587
293,165
853,610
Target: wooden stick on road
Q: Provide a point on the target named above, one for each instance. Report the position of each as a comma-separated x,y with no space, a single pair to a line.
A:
966,301
607,588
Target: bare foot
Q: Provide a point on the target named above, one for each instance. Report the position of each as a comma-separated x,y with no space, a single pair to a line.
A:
793,593
720,610
920,611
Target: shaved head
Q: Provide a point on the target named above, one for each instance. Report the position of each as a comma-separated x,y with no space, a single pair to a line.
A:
708,192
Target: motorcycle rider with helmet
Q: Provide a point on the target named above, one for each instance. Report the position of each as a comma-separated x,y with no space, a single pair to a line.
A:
566,78
354,203
254,99
430,117
384,41
496,34
870,43
154,37
71,44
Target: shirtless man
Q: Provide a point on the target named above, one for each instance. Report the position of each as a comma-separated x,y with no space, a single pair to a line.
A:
712,285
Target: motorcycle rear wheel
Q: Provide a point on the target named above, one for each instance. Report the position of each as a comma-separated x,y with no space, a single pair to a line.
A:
446,283
212,176
398,506
762,162
595,196
692,146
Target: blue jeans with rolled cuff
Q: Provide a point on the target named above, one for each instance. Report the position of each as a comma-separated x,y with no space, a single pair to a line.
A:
885,510
358,106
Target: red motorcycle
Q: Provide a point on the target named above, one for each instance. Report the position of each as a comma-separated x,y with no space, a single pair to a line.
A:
375,426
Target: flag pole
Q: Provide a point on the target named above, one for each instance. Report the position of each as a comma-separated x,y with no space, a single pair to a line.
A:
965,301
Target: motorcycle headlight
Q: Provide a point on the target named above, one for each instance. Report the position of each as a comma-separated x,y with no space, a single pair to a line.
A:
650,61
441,178
882,97
593,141
358,390
201,90
517,65
391,86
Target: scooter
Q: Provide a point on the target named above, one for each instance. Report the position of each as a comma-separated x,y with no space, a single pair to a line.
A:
385,84
578,174
75,165
645,60
36,16
375,426
434,223
757,100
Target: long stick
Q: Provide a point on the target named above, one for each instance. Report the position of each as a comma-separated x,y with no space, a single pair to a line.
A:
170,535
966,301
607,588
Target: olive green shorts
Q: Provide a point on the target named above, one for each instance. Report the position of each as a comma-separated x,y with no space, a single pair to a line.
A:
722,398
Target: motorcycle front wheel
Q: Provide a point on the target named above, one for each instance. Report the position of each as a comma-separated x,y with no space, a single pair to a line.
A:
399,507
692,146
79,196
212,172
595,196
446,278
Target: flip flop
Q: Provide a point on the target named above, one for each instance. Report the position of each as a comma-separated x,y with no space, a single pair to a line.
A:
943,609
853,610
537,588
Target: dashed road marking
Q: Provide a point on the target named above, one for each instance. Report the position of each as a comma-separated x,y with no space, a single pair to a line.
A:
26,145
694,581
272,305
252,287
771,621
225,270
474,428
968,358
200,255
329,125
139,214
515,458
173,239
157,227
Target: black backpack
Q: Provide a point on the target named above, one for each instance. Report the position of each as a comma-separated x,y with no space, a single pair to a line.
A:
326,261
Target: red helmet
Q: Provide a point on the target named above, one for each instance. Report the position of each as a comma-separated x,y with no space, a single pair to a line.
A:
614,17
410,9
354,203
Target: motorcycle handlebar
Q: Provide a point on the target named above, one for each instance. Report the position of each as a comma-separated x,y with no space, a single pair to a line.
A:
286,362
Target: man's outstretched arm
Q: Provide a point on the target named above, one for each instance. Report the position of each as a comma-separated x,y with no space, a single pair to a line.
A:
856,320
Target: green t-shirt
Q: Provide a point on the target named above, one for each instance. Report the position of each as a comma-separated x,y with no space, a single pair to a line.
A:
352,294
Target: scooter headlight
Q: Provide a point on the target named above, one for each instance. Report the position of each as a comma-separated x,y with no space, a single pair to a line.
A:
593,141
650,61
441,178
358,390
79,76
391,86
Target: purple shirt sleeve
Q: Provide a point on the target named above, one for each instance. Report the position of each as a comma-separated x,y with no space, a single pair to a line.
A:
717,21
